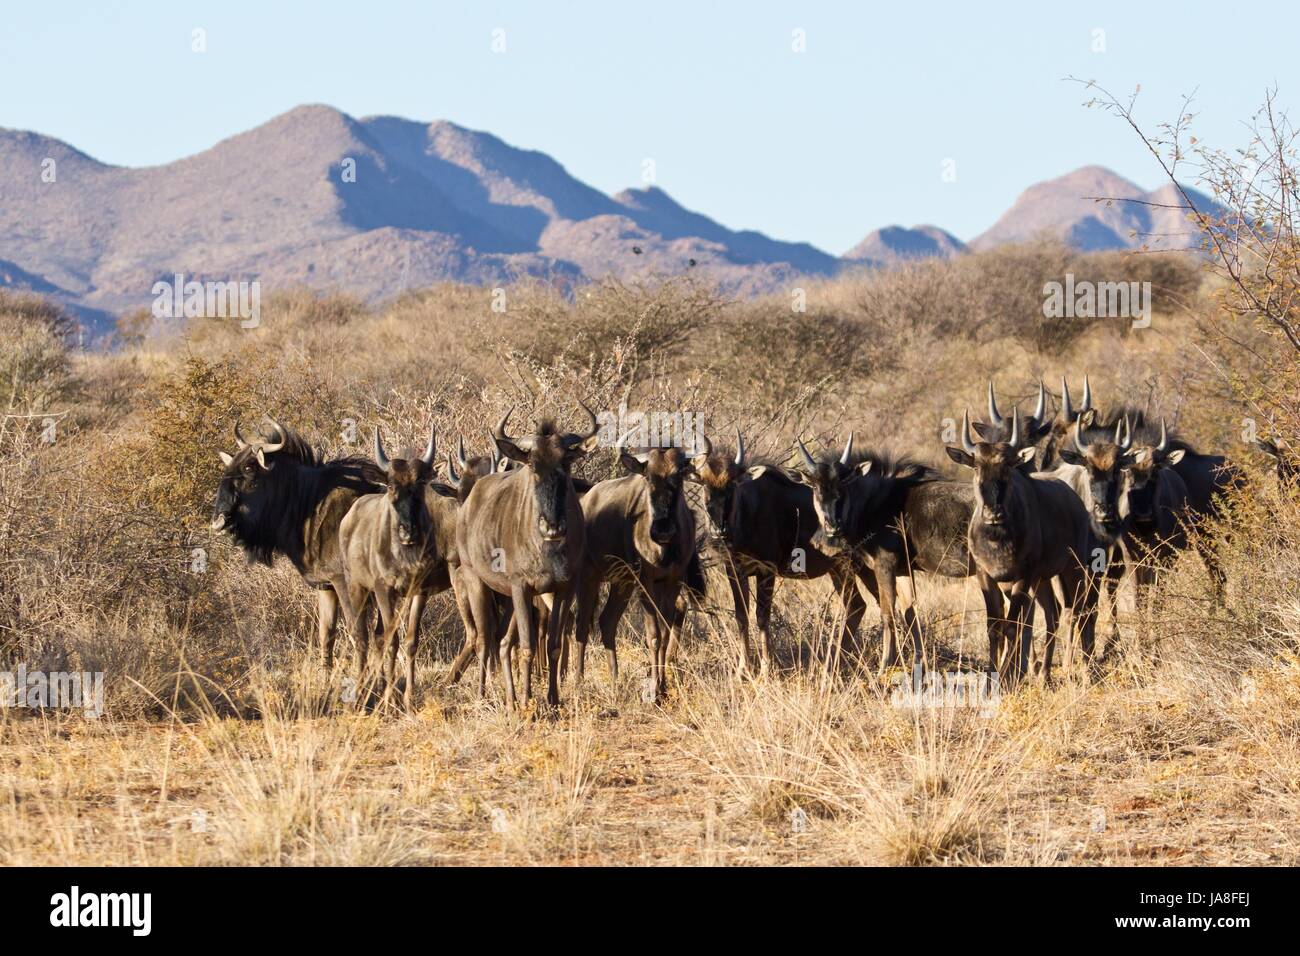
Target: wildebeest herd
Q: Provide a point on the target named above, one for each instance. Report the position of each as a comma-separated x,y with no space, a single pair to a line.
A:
1057,509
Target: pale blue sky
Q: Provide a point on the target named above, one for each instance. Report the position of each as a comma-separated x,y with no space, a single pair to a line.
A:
822,146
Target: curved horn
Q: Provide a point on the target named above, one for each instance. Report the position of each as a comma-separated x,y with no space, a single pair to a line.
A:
380,458
1015,427
460,452
1078,430
702,444
807,458
1164,438
967,445
1124,440
1067,413
279,433
621,448
1041,408
994,417
240,441
451,471
1087,394
740,449
432,448
495,452
848,450
499,433
595,426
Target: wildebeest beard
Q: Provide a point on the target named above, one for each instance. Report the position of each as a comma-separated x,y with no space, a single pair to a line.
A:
265,514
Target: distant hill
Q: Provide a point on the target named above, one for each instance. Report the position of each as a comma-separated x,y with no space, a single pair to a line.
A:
1127,217
431,202
895,245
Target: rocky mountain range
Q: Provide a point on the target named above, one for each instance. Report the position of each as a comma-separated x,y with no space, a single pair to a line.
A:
376,205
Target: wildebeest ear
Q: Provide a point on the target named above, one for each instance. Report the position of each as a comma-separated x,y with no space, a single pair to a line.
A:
756,471
587,445
986,432
865,467
1263,444
632,463
1131,458
960,456
226,460
510,450
1037,434
1175,456
1087,419
261,460
1070,456
1027,454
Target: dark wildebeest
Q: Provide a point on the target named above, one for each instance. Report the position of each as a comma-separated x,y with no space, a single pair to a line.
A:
900,516
761,521
1288,469
1153,504
1025,531
279,496
390,554
641,540
521,534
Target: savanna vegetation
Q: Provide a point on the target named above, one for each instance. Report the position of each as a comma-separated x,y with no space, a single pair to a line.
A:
224,741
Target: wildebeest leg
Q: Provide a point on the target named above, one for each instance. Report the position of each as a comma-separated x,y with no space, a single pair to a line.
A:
411,645
1021,631
355,610
327,616
1081,591
1046,599
524,611
851,599
1218,577
886,595
584,610
619,595
467,649
483,611
555,648
740,604
388,641
993,618
764,586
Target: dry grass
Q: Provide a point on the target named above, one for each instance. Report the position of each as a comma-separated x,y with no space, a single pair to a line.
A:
225,743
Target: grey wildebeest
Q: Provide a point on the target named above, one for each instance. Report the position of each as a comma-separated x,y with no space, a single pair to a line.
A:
761,521
1092,463
391,553
641,540
521,534
900,516
279,496
1024,531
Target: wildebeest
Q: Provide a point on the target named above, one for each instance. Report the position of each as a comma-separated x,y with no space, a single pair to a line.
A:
390,551
521,534
1153,504
1024,531
279,496
641,540
1031,431
1065,420
900,516
761,522
1284,460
